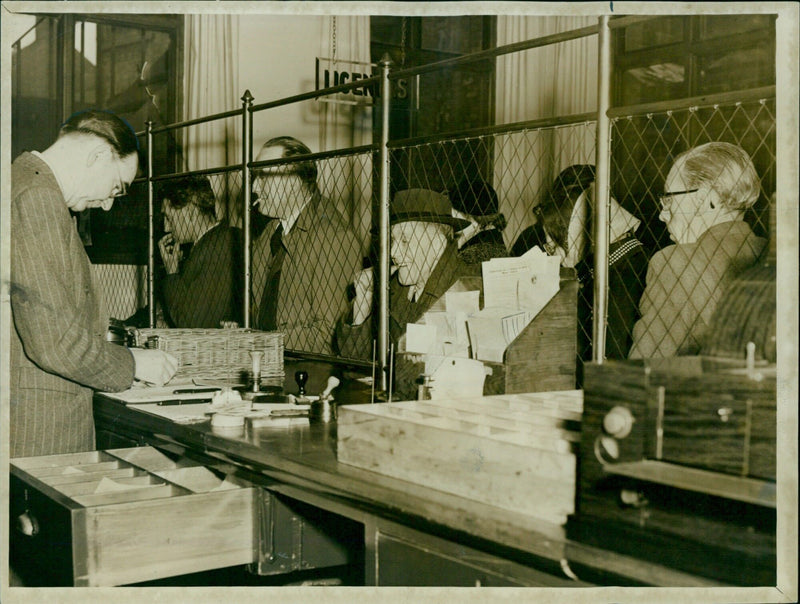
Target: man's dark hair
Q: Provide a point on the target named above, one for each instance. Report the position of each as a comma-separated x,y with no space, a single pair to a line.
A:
105,124
190,189
306,170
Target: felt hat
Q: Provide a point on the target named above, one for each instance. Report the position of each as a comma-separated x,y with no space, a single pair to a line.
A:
424,205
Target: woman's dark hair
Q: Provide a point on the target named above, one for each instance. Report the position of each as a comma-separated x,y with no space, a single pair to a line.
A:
555,210
191,189
113,129
306,170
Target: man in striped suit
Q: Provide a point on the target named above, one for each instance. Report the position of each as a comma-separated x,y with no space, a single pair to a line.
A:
58,350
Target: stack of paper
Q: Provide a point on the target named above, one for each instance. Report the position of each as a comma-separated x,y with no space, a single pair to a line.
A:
514,291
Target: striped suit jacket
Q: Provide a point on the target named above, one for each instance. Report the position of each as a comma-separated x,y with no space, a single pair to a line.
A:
58,351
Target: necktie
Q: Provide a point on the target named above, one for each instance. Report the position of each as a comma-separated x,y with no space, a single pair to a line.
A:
275,242
268,315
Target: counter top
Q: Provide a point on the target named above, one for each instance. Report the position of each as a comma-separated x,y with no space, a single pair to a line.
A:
301,459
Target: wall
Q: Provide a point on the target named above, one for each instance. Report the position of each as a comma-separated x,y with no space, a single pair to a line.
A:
277,59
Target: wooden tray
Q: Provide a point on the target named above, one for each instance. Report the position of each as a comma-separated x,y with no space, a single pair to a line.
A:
516,452
128,515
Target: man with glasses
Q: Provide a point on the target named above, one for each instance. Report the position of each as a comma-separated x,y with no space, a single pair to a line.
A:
306,256
706,193
59,352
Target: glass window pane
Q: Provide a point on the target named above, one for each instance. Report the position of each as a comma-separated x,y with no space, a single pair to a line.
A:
84,66
737,70
653,33
657,82
35,103
726,25
452,34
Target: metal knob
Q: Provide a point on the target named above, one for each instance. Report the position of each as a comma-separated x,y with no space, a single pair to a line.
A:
27,524
618,422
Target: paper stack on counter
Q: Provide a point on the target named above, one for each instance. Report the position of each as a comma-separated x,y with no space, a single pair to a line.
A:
514,291
443,329
524,283
455,377
456,333
493,329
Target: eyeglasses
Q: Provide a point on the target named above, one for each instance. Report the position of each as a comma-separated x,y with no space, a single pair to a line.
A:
121,188
665,205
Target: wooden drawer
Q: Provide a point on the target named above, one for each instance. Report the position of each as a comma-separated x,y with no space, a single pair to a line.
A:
125,516
404,557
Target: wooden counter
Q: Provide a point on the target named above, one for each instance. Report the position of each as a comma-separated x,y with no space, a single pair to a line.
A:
408,521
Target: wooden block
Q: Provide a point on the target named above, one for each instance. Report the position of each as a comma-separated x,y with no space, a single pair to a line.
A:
483,458
545,437
543,357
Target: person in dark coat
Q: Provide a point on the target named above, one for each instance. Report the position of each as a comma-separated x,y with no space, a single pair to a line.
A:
204,289
565,215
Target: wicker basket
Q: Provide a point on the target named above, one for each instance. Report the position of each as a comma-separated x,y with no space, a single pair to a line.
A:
220,354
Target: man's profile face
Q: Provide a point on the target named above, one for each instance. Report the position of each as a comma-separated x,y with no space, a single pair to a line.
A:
412,250
106,177
681,207
279,188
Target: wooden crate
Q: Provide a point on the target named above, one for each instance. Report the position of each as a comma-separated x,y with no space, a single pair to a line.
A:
542,358
127,515
219,354
516,452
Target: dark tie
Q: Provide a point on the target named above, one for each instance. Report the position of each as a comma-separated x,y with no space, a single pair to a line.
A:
275,242
268,315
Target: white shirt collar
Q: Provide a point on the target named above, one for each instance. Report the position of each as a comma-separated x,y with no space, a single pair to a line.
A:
55,174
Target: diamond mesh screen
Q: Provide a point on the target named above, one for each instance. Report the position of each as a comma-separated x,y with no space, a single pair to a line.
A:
684,284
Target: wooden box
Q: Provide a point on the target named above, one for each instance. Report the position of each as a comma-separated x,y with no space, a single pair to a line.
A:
542,358
125,516
678,464
515,452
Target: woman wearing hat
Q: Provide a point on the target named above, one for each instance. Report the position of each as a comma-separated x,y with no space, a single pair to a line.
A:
565,215
425,264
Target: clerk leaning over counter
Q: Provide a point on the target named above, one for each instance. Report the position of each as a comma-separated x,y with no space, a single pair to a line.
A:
59,353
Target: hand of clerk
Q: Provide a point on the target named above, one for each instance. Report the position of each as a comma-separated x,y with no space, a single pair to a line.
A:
153,366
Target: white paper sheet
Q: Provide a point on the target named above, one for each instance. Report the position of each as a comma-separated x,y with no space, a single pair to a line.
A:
152,394
527,282
422,339
493,329
451,333
454,377
462,302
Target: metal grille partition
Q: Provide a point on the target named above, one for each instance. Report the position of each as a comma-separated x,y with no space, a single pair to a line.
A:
496,180
334,274
685,283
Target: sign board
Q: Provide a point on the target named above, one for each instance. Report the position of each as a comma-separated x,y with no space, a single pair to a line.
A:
335,72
